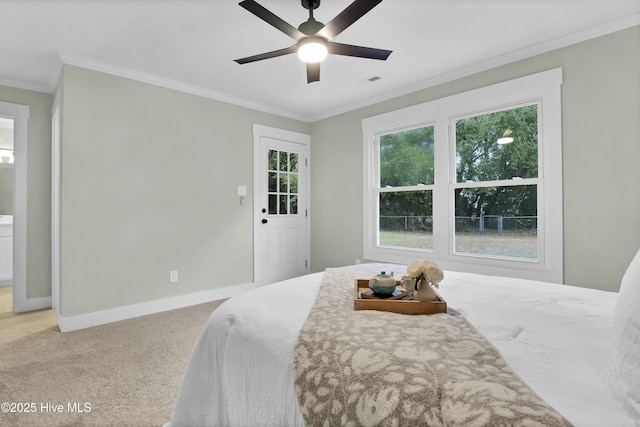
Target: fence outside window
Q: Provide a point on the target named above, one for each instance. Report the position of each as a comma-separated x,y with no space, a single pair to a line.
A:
474,224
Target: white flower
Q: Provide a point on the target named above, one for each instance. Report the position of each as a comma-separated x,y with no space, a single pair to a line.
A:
428,269
414,269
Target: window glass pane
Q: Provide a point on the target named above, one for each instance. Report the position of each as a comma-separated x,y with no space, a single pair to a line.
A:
481,157
406,158
273,160
293,183
293,205
284,199
406,219
284,161
273,204
497,221
293,159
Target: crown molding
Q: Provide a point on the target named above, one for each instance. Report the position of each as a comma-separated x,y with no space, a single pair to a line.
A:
177,85
573,38
20,84
548,46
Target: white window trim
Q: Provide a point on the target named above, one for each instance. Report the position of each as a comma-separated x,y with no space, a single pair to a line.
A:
544,88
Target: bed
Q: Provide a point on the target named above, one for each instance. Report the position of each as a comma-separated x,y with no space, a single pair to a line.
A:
578,349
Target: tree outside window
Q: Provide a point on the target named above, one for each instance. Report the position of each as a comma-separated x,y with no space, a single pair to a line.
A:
406,188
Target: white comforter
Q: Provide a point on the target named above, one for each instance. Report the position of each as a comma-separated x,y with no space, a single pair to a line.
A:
557,338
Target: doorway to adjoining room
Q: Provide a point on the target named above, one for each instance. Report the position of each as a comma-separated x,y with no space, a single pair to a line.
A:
6,215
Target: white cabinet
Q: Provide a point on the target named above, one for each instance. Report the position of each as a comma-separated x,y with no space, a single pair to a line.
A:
6,247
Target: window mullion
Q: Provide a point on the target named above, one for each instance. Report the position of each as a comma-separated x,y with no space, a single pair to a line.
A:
496,183
420,187
441,201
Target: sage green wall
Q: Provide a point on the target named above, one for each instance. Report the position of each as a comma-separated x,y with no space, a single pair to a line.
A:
6,189
150,175
601,157
38,187
149,185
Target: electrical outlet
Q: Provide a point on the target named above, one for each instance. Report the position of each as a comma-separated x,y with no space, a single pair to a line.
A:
173,276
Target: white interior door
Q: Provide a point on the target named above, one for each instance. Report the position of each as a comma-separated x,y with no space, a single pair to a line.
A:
281,221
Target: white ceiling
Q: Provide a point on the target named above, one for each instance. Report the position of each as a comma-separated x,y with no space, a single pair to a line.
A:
191,45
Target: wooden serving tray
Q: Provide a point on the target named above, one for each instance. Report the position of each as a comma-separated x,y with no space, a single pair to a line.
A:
398,303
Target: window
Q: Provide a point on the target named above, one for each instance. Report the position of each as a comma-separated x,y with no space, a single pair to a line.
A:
495,191
405,191
472,181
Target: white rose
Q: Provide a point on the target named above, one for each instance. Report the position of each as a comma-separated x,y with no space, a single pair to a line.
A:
415,269
433,273
430,269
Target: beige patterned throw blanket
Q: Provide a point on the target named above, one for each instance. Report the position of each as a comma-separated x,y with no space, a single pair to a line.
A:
373,368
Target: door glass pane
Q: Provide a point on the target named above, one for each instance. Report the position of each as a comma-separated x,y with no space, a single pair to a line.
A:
284,161
293,183
293,205
406,219
483,155
273,182
284,203
406,158
273,204
293,159
497,221
284,183
273,160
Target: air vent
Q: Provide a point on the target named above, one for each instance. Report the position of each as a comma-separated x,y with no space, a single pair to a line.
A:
368,80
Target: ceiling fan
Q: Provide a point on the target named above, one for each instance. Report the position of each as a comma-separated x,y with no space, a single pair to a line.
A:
313,37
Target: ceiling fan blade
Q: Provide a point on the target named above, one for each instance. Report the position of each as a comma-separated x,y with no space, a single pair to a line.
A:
267,16
359,51
267,55
351,14
313,72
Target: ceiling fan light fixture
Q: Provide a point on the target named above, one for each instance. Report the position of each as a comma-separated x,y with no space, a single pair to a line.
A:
313,38
312,50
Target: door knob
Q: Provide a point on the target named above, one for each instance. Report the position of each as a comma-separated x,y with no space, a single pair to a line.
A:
264,221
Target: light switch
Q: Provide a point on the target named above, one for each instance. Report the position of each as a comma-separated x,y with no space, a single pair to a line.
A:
242,190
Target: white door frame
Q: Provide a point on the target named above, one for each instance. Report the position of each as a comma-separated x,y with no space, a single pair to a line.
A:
56,149
260,131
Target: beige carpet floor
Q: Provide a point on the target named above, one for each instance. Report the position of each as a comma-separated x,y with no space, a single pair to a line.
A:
122,374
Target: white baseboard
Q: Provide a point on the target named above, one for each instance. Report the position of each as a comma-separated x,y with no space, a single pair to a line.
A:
73,323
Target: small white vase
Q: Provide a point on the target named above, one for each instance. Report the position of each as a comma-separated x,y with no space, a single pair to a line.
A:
424,291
